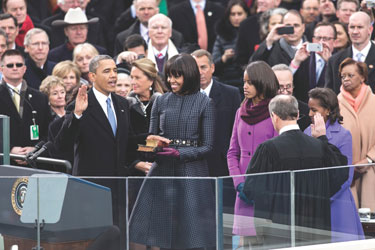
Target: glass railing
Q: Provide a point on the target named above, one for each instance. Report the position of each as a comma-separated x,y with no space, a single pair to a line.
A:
4,140
274,210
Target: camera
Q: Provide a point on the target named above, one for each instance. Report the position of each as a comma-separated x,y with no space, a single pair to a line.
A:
314,47
370,3
286,30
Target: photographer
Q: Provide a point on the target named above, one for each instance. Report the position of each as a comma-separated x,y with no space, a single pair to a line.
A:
310,61
282,42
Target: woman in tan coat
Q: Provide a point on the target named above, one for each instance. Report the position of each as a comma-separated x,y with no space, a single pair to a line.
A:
357,105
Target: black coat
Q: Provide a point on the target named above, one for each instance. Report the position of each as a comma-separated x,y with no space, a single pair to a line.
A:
20,126
35,75
332,79
97,34
303,75
293,151
97,151
183,19
273,56
176,37
227,99
62,53
304,119
248,38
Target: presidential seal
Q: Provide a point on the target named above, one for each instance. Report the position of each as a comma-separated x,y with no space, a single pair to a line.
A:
18,194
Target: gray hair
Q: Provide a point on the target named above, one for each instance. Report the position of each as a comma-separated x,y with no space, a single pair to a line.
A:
201,52
265,18
31,33
94,64
284,106
159,15
281,67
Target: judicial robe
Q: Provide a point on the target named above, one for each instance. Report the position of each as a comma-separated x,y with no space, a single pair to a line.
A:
293,150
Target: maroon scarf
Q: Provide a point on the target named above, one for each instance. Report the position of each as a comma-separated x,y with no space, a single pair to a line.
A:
253,114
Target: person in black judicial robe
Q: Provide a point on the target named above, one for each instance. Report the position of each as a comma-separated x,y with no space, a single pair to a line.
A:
183,18
293,150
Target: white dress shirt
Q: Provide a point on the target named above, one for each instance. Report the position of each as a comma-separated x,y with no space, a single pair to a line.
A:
288,128
207,90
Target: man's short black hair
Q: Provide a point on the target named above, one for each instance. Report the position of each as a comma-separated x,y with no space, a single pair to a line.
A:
12,52
5,16
133,41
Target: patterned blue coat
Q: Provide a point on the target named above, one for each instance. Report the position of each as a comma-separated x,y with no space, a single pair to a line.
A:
178,213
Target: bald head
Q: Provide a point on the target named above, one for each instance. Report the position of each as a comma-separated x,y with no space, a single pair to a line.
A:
360,29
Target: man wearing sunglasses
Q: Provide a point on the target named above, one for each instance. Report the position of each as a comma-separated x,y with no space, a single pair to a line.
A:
27,108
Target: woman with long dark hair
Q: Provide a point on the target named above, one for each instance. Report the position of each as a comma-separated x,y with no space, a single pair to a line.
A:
224,47
252,126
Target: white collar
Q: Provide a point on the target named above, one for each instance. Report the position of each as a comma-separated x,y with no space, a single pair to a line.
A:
201,3
207,90
288,128
364,51
144,32
298,45
163,51
17,88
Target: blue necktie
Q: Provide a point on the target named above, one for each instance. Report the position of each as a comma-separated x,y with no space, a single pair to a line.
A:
111,116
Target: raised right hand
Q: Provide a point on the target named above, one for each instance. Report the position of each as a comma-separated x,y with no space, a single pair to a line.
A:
81,101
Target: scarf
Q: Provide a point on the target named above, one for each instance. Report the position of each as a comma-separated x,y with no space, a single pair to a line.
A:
354,102
252,114
25,27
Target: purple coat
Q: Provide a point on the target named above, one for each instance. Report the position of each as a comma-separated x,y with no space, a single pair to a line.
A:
344,215
245,140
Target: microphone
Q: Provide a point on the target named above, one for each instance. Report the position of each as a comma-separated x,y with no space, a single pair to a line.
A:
36,148
40,151
26,100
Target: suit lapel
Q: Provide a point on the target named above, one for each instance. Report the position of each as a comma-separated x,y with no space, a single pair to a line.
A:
5,97
370,59
97,112
215,93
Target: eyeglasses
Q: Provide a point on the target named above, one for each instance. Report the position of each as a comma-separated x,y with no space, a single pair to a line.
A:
285,88
11,65
36,45
324,38
347,75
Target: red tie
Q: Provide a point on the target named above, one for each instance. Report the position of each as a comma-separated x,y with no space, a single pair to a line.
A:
160,55
201,28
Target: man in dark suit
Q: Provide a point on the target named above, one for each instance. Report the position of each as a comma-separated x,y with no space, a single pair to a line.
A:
309,67
285,77
277,48
362,49
248,33
183,17
292,150
27,108
75,25
144,9
227,99
99,129
10,25
38,67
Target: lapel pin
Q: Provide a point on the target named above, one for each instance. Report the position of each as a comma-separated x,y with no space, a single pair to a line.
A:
371,66
30,96
122,111
209,13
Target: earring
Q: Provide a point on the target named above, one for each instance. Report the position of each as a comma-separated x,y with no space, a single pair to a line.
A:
150,88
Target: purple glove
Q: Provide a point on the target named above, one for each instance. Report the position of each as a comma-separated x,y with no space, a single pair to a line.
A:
172,152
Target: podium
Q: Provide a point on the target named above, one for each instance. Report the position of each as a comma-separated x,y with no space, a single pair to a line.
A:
73,212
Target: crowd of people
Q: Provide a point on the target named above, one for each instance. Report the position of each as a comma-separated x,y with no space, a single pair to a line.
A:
223,86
